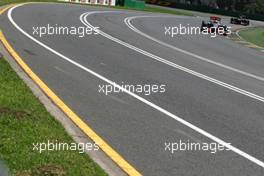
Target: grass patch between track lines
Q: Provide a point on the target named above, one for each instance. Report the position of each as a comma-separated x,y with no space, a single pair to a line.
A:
253,35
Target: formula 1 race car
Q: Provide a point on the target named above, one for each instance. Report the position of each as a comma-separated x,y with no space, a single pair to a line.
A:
215,19
242,20
214,26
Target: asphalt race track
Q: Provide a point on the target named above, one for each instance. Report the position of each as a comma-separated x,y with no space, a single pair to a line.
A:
213,83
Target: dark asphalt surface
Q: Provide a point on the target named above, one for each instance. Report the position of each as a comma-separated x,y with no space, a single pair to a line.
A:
3,169
135,130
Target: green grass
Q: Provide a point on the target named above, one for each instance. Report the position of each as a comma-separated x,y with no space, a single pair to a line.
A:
24,121
157,10
147,8
253,35
160,10
4,2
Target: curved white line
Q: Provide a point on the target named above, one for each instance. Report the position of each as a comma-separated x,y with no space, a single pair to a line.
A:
233,88
236,150
128,23
83,19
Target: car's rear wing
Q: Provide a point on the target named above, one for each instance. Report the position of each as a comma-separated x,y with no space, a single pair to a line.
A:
215,18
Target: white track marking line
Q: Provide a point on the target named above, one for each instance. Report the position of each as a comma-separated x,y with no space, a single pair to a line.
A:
182,121
128,23
83,19
233,88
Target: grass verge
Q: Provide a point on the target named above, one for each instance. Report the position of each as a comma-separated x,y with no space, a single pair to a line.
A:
157,10
24,121
253,35
5,2
147,8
